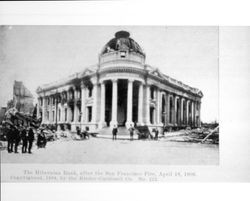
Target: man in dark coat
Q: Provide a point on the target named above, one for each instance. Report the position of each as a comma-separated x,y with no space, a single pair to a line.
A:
131,132
114,132
30,139
156,133
10,139
17,138
24,138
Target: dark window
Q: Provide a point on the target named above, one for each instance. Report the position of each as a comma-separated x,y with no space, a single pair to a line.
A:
170,110
65,114
163,106
71,95
90,91
152,92
151,115
72,116
89,114
53,115
59,115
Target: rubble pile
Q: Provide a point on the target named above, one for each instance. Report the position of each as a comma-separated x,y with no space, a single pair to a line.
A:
199,135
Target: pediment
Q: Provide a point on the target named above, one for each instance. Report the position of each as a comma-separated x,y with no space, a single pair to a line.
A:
157,73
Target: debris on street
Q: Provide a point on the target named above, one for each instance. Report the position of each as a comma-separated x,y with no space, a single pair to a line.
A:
199,135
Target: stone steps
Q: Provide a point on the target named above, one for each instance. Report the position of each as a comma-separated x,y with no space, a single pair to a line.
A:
123,131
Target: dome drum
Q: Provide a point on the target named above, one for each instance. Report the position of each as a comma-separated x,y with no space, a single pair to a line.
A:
122,58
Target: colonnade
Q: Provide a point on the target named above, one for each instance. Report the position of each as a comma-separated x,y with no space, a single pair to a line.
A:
77,107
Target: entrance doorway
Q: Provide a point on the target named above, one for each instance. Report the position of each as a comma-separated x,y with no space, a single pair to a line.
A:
108,102
122,102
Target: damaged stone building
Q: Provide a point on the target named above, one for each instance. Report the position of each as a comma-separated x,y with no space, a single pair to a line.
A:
120,90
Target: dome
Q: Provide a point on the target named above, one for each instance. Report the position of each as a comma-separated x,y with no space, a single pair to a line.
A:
122,42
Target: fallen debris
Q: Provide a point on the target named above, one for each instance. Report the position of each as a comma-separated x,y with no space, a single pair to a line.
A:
199,135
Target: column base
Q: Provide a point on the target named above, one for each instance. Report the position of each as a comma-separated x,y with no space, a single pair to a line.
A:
160,124
102,124
113,123
140,124
129,124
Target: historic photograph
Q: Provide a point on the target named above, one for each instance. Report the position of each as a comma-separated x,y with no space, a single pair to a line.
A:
109,95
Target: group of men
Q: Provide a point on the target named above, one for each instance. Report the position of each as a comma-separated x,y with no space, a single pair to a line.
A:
84,134
131,131
115,131
16,134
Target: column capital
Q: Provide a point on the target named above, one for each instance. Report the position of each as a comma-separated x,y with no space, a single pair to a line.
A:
102,82
114,80
131,80
177,97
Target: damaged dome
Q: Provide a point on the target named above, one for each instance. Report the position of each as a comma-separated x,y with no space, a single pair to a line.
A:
122,42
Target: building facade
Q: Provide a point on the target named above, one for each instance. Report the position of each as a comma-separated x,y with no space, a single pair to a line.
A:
120,90
22,97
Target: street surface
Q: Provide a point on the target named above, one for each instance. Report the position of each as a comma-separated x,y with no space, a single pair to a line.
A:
107,151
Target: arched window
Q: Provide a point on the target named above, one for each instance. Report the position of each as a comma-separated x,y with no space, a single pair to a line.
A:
90,89
152,91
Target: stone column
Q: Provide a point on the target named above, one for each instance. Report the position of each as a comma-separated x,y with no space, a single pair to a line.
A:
192,114
69,111
174,110
83,108
130,103
166,109
199,113
62,113
102,122
50,110
140,105
114,103
147,105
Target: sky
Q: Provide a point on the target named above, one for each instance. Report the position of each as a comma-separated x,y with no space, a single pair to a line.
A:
38,55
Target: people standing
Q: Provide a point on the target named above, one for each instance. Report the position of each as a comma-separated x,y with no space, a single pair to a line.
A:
10,139
17,138
24,138
131,132
30,139
114,132
85,133
156,133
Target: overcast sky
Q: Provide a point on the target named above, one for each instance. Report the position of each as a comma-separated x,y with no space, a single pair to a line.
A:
38,55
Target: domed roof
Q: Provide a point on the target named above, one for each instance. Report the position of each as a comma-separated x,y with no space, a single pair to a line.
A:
122,41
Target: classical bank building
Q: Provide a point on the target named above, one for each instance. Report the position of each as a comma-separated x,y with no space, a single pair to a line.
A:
120,90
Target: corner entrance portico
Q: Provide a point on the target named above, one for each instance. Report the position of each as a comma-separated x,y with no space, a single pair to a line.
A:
120,102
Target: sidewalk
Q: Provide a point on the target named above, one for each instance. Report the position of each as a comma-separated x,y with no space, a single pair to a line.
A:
123,134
